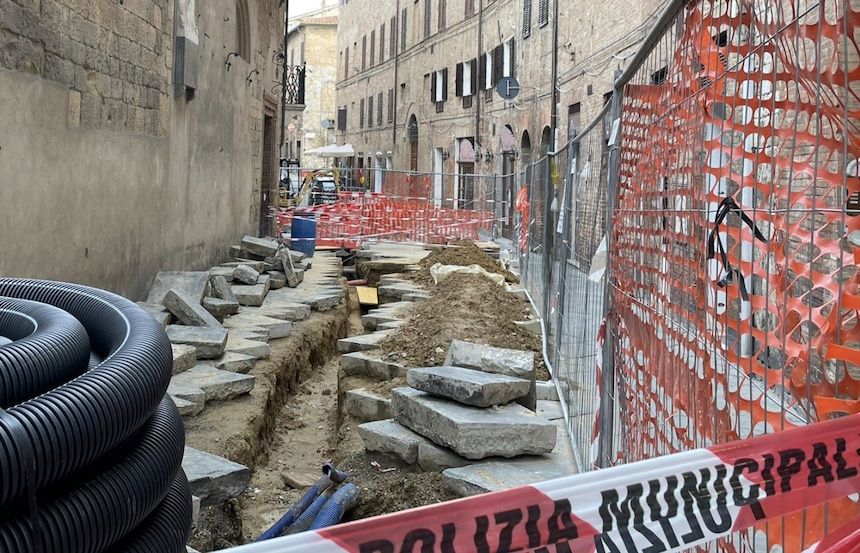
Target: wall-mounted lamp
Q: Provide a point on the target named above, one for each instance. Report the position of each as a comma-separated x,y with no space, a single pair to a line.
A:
249,80
227,61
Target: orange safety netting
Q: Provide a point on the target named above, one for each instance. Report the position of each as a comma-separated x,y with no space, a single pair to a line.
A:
355,217
733,259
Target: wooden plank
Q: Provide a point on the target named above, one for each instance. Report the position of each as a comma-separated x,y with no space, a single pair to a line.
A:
367,295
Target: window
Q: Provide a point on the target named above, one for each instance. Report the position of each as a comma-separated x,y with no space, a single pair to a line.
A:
403,31
370,111
487,71
543,13
390,105
527,18
392,28
364,52
466,79
427,7
659,76
508,58
341,118
382,43
439,88
443,14
372,48
361,115
346,64
573,120
470,8
379,110
243,30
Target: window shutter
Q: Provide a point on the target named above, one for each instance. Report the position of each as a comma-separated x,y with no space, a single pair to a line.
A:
370,111
392,40
498,60
458,80
372,47
527,18
379,109
543,13
427,9
512,69
444,84
390,105
341,119
433,87
474,64
361,115
482,71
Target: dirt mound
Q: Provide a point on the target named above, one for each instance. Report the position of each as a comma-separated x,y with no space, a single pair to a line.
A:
389,492
462,253
463,307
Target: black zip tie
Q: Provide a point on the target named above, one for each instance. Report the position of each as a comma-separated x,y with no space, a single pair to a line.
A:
728,205
25,447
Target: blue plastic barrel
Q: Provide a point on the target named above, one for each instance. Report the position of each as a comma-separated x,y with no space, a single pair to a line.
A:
303,237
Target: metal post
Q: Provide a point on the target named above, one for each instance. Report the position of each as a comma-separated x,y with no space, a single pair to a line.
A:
553,118
478,64
284,79
607,378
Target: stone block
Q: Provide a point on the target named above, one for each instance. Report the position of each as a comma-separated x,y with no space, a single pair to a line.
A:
416,297
246,274
265,280
393,325
184,357
550,410
188,408
221,288
195,510
498,475
364,342
215,383
212,478
219,308
387,436
397,291
235,250
297,256
548,391
511,362
474,433
364,405
326,301
224,272
252,263
530,325
253,348
287,311
361,364
250,295
208,341
158,312
278,280
435,458
233,362
259,246
468,386
182,389
190,283
187,310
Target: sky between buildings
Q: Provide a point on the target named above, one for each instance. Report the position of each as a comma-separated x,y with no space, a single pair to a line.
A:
299,7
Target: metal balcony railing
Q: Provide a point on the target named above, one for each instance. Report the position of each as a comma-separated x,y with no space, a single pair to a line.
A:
294,84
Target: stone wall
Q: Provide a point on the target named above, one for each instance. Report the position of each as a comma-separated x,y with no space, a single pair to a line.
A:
108,176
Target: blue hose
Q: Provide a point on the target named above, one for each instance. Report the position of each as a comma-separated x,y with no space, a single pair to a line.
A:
341,501
285,521
306,519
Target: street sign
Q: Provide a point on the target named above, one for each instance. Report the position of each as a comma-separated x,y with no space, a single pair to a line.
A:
508,88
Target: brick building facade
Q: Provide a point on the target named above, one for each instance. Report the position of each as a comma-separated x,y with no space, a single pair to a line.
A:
138,134
416,83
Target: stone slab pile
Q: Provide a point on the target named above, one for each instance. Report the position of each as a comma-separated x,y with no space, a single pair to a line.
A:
510,362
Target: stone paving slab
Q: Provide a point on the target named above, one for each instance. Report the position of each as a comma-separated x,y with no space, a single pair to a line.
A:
255,264
511,362
208,341
393,325
550,410
184,357
286,311
184,389
233,362
221,288
474,433
387,436
547,390
376,317
257,350
158,312
188,408
435,458
259,246
364,342
188,310
246,274
250,295
397,291
224,272
219,308
278,279
192,283
361,364
364,405
468,386
277,328
212,478
215,383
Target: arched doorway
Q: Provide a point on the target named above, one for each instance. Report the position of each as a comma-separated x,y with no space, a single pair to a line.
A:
413,143
545,141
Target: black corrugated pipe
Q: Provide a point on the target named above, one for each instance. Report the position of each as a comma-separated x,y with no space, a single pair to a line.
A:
90,447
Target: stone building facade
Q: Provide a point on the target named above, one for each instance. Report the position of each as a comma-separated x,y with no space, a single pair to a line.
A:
138,135
416,83
313,42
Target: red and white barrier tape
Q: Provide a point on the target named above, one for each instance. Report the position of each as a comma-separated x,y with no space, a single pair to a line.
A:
665,504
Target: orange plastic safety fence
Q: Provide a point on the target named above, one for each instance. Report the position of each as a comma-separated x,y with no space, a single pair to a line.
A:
733,259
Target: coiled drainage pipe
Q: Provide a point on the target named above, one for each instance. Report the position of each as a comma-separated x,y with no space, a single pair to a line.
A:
90,447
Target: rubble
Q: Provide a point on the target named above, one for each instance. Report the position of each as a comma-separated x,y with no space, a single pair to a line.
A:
259,246
364,405
214,479
192,284
187,310
246,274
468,386
208,341
215,383
184,357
